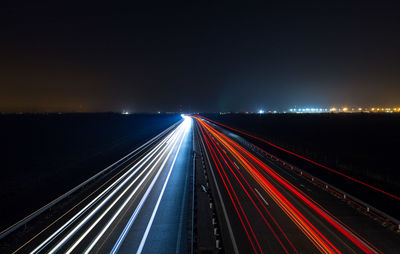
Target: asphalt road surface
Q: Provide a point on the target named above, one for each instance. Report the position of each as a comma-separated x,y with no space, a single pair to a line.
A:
266,213
142,209
262,208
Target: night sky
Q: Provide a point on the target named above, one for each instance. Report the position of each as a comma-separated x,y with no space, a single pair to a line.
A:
76,56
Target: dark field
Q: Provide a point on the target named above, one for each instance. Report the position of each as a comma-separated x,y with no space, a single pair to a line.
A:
365,146
43,156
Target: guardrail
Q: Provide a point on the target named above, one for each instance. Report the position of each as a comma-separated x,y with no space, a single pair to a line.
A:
212,215
115,165
369,209
192,250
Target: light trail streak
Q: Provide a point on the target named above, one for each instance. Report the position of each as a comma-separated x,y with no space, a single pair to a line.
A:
306,159
253,202
312,233
219,169
345,230
88,217
126,157
224,210
308,229
128,175
125,202
138,208
143,241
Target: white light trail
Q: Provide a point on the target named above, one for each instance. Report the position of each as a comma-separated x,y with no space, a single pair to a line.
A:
146,233
137,166
88,217
93,243
143,241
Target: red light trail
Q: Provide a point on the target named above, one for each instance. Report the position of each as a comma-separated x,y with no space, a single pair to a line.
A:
250,163
306,159
217,147
213,155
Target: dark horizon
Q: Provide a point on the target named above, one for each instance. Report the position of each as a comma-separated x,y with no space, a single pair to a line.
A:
198,57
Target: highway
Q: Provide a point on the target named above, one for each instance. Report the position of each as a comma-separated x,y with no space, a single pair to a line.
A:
141,209
265,212
260,207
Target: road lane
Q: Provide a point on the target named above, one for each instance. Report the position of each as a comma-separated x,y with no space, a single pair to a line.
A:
144,208
163,220
96,224
290,223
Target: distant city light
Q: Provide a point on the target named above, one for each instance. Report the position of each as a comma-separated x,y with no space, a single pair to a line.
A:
344,110
125,112
336,109
308,110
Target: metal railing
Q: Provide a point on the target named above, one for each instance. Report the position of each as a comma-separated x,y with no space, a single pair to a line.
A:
113,166
369,209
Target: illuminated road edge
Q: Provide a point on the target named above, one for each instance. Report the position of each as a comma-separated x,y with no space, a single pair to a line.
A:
89,227
263,211
242,175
